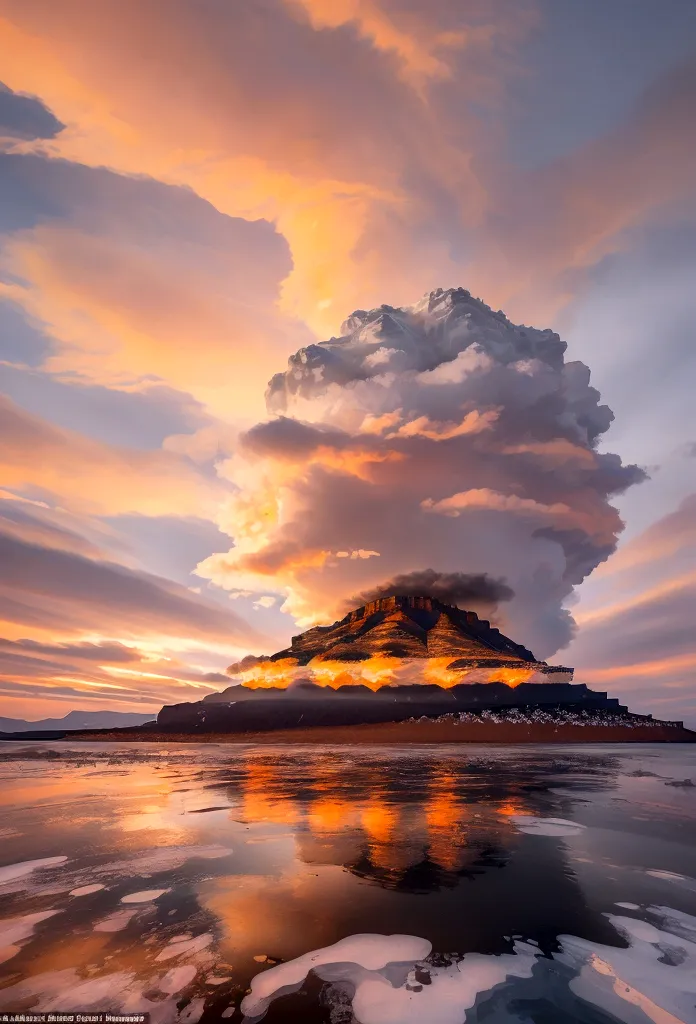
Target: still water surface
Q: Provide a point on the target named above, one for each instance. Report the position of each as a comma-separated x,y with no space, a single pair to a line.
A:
419,885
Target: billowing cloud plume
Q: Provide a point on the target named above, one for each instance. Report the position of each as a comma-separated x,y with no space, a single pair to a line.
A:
435,437
463,590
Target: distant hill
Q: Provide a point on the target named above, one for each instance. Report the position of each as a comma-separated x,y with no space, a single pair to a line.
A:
79,720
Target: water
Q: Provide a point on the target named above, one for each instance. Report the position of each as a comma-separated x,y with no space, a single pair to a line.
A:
419,885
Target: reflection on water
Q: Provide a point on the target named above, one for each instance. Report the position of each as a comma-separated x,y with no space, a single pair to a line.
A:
174,880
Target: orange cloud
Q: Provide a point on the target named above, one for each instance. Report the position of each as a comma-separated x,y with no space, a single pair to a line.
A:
676,588
415,45
657,670
329,166
473,423
640,640
125,302
561,220
95,477
485,498
385,152
669,538
46,678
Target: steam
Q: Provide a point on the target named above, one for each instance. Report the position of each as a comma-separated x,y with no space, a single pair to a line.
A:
463,590
434,439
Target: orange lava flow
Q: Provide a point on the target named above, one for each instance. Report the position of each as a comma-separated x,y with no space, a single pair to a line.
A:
511,676
376,672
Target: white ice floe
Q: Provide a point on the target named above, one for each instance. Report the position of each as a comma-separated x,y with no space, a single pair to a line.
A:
533,826
25,867
15,930
177,978
627,906
86,890
386,981
655,974
374,964
370,952
452,990
667,876
115,922
145,896
121,992
189,947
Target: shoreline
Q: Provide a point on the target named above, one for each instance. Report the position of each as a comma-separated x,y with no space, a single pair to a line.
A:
405,733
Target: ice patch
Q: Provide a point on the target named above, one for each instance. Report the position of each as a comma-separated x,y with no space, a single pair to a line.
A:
119,992
533,826
668,876
452,990
371,952
115,922
25,867
16,930
627,906
85,890
146,896
656,974
390,984
177,978
190,946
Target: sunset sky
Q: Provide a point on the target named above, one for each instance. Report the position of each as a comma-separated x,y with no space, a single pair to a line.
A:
193,190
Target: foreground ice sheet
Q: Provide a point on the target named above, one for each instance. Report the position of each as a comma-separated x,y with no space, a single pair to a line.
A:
368,952
13,871
657,973
388,979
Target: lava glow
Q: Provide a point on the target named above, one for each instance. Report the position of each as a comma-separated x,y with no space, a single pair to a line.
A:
376,672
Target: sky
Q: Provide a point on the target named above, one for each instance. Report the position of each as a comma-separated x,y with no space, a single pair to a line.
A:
191,191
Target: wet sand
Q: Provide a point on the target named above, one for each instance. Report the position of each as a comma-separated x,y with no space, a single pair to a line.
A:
420,732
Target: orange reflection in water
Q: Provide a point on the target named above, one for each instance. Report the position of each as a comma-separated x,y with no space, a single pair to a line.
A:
262,798
329,814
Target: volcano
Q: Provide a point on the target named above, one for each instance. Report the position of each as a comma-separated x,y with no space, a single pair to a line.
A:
413,627
399,662
394,632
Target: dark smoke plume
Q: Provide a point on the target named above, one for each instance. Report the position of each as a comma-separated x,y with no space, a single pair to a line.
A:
463,590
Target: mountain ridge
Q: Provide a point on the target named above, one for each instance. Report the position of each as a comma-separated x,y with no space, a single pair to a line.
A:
78,720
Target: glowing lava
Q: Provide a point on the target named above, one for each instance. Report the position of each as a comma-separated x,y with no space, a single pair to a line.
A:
376,672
